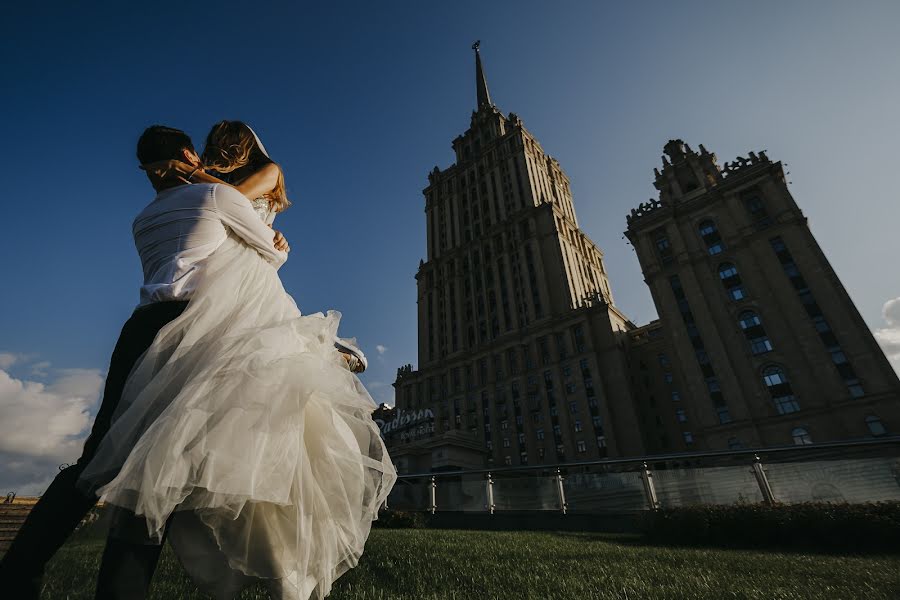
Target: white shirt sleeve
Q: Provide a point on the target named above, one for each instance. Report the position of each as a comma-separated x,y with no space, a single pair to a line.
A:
237,214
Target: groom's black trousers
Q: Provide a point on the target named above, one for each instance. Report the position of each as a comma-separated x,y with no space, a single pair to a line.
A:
127,568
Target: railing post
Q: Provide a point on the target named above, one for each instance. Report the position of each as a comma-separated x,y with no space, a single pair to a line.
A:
763,481
563,507
649,488
490,494
433,495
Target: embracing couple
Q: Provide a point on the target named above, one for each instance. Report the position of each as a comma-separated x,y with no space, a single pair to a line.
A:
231,425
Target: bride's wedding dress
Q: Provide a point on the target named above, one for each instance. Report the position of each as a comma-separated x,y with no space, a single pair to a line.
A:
243,423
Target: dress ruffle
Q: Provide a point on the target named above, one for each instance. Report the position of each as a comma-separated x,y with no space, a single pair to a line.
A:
243,424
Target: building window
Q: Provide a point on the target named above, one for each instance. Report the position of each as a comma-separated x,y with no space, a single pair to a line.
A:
759,216
560,450
489,444
597,422
561,346
544,350
504,425
735,444
681,415
723,413
711,237
801,436
578,427
668,377
523,458
582,447
521,439
506,442
876,427
688,437
539,433
780,390
731,281
675,396
854,386
663,248
573,408
601,441
548,380
578,334
507,460
755,332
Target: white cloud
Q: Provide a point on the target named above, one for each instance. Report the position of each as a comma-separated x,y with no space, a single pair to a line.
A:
381,349
43,425
889,337
8,359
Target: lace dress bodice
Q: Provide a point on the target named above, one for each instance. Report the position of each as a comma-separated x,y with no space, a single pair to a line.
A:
262,208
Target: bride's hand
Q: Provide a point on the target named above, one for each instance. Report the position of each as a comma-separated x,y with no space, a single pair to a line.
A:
281,242
167,169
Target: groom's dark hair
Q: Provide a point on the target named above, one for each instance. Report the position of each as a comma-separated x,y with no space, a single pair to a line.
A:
159,142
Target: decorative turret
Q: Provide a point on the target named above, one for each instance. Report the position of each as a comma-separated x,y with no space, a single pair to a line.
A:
685,171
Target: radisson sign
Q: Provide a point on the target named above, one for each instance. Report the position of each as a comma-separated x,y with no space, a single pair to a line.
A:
404,419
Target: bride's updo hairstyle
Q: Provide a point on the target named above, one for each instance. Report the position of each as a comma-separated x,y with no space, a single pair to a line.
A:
230,146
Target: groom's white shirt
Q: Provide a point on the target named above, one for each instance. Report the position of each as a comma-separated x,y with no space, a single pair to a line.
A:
183,226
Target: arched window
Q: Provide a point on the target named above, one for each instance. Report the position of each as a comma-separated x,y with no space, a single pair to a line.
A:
711,237
876,427
801,436
754,332
731,280
780,390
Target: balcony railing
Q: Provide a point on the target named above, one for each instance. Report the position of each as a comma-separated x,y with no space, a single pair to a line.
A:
853,471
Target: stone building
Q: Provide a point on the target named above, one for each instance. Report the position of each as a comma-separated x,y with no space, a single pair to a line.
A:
525,359
760,344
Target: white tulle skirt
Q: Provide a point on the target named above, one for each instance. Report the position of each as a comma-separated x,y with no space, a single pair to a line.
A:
243,424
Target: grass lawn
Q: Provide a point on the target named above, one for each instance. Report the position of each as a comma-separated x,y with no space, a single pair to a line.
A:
407,564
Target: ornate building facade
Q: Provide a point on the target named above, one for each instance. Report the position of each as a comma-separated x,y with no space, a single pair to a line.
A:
759,343
525,359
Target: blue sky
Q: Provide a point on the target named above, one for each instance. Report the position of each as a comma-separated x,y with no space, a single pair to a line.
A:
358,101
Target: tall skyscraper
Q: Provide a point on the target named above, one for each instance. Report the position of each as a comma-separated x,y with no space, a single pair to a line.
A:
521,348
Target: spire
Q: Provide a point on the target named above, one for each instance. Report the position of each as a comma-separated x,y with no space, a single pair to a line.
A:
484,96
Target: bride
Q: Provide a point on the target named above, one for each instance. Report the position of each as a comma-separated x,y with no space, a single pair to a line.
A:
243,434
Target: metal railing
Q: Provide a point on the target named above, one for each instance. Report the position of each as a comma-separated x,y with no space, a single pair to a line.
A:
852,471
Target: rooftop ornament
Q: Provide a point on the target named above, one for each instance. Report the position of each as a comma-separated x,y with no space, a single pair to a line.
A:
740,162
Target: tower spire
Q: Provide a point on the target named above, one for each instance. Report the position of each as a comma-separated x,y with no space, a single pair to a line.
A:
484,96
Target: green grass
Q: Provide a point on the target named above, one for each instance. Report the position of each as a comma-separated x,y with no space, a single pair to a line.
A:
407,564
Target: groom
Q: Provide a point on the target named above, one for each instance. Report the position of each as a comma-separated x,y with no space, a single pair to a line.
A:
174,234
